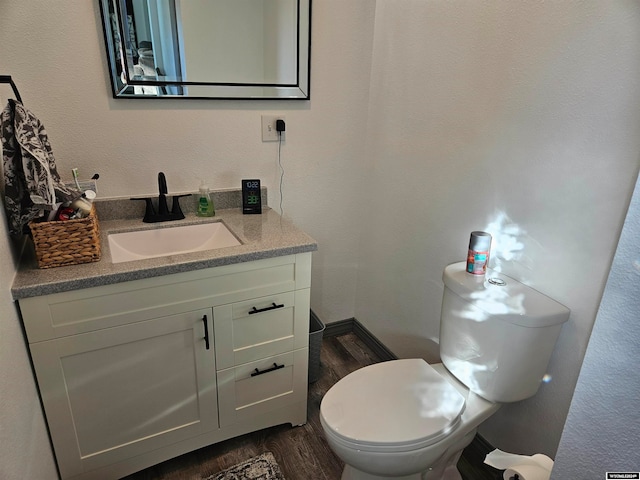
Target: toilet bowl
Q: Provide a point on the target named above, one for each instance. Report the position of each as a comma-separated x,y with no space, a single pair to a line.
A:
406,419
400,418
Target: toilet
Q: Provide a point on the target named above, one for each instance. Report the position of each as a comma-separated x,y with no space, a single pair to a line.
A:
406,419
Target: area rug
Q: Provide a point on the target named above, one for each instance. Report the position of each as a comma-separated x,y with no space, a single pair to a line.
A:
262,467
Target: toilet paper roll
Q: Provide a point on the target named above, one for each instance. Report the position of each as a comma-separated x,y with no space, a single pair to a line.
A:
526,472
534,467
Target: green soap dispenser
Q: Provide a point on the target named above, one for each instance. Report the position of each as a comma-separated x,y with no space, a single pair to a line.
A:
205,202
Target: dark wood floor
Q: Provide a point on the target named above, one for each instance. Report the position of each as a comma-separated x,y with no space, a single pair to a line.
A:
301,452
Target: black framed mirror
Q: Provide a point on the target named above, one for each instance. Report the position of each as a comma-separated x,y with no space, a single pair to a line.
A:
219,49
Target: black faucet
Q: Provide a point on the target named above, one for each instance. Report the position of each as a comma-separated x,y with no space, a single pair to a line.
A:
163,214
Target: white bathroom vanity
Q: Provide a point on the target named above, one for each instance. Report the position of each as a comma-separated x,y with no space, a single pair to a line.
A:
133,372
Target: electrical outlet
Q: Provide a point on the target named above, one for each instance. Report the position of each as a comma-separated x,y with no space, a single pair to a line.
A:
269,132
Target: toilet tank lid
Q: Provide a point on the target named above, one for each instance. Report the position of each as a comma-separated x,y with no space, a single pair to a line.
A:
505,298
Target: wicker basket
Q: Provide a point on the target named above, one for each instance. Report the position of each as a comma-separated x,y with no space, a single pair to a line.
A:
67,242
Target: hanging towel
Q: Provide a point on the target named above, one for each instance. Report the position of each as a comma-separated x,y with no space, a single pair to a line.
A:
32,184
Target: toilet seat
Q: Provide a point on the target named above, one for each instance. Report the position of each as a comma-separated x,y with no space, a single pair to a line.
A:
399,405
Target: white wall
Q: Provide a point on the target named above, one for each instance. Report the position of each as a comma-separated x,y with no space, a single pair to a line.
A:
536,102
25,451
601,433
55,53
531,109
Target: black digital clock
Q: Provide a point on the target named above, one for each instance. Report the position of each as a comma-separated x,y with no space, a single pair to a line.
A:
251,197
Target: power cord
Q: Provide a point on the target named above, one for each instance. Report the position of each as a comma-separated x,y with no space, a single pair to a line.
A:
280,127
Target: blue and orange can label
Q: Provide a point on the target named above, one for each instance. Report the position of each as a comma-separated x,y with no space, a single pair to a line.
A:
477,262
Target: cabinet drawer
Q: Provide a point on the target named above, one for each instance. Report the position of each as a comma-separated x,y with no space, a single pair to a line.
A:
89,309
261,327
276,382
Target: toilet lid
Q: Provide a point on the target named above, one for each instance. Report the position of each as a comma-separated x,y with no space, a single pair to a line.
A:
397,403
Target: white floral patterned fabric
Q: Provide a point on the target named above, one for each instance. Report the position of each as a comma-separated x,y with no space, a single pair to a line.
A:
262,467
31,181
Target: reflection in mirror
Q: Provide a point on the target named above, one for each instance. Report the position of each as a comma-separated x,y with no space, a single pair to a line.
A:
208,48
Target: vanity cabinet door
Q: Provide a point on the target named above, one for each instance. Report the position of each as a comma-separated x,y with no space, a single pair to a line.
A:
120,392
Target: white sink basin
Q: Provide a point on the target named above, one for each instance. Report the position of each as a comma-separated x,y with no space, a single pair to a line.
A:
160,242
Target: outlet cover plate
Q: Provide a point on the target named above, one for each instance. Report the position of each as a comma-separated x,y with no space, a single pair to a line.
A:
269,132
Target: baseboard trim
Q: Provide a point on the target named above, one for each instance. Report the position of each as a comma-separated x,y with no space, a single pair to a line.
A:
351,325
340,327
371,341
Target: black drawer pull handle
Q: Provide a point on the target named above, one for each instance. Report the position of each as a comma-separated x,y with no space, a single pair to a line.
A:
275,367
206,331
272,307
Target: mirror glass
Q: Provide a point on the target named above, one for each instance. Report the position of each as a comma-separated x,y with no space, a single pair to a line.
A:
232,49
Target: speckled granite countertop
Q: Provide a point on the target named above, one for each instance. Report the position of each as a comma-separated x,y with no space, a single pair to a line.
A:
262,236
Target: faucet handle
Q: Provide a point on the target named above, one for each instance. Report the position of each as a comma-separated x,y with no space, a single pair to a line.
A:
176,211
149,212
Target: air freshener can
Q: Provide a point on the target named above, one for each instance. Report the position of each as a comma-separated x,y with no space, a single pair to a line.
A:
478,256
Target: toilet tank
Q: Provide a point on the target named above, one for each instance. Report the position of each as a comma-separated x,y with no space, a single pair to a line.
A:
497,334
